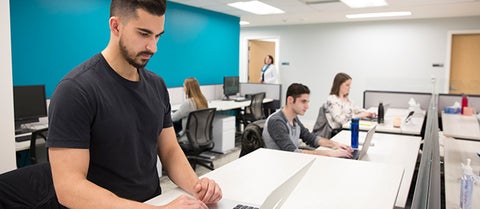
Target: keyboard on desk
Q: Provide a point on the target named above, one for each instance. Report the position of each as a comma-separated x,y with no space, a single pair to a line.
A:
239,206
240,99
23,131
23,138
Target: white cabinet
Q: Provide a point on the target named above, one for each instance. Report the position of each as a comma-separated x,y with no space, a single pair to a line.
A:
223,133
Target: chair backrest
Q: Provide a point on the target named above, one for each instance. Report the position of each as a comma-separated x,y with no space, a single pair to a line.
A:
321,127
38,152
252,137
199,129
256,105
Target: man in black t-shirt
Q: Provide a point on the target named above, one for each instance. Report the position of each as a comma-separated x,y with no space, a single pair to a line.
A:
109,118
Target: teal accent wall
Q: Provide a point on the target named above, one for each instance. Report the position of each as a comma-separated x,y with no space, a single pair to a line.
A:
51,37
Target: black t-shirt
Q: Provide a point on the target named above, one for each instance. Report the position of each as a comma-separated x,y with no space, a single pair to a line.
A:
118,120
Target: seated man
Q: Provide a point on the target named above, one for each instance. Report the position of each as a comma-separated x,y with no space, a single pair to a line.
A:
283,130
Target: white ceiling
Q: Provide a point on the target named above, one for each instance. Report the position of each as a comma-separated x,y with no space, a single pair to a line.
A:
324,11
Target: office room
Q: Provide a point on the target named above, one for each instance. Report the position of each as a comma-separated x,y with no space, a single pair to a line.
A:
395,54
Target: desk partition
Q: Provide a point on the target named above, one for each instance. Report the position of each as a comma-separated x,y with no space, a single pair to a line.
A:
396,99
445,100
427,187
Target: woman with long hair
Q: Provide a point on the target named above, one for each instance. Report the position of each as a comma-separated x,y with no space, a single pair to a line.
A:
195,100
338,109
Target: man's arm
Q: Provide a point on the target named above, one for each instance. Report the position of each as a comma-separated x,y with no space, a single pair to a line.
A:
339,150
181,173
69,173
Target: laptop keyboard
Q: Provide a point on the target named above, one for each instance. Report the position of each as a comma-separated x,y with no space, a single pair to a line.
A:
239,206
355,154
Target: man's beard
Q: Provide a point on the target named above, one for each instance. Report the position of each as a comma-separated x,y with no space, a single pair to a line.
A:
131,60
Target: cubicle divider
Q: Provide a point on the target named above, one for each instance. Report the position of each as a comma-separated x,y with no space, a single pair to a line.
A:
395,99
445,100
427,192
211,92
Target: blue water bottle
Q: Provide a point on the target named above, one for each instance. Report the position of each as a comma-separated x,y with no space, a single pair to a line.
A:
354,125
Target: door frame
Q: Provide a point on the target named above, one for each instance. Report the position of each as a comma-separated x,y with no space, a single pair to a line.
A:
449,54
243,64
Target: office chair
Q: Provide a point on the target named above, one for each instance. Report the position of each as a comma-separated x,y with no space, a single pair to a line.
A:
253,112
28,187
38,153
322,128
200,138
252,137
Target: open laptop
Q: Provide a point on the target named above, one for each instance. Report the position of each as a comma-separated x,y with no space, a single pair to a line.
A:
358,154
275,199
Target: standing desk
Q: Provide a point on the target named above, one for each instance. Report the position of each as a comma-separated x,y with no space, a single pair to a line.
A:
457,152
329,183
413,127
400,150
461,126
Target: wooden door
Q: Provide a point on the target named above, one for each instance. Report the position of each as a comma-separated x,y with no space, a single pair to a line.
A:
257,51
465,64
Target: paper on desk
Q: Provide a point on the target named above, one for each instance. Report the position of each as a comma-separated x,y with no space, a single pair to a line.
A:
367,123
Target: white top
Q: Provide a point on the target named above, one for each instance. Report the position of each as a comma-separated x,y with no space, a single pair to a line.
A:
270,74
182,113
339,112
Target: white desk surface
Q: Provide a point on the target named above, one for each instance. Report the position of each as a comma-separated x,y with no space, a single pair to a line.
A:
457,152
223,105
401,150
19,146
413,127
461,126
251,178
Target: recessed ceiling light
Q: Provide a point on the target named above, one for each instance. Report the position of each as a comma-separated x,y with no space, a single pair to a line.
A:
244,22
256,7
379,14
364,3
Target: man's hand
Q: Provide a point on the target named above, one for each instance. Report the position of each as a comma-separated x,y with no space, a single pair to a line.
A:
344,147
340,153
208,191
185,202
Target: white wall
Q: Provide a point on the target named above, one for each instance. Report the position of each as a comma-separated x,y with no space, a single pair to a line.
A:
7,142
379,55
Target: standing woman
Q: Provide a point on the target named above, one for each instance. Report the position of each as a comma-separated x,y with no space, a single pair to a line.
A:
194,101
269,72
338,108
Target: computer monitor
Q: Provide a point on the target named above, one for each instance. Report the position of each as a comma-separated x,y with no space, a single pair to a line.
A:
231,86
29,104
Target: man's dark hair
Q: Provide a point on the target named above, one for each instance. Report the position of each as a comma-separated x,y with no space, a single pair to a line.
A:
128,8
295,90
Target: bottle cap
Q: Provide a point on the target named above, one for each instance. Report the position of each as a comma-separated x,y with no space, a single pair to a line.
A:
467,169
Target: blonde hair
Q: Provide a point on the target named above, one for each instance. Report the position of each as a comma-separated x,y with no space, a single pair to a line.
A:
192,90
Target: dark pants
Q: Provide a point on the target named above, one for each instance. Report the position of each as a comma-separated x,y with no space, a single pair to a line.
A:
28,187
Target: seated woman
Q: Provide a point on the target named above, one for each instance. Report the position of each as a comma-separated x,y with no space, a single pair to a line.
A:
194,100
338,109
